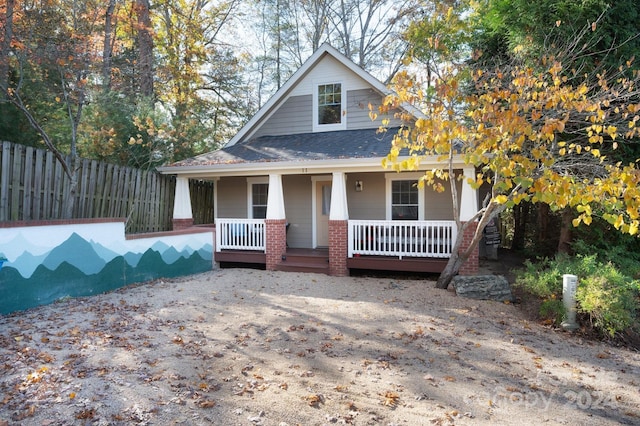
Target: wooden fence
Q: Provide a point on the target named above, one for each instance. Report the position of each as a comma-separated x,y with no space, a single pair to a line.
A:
33,186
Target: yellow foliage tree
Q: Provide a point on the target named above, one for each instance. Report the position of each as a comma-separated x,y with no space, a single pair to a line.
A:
531,135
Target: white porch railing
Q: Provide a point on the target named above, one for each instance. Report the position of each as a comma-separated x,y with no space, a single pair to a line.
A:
240,234
401,238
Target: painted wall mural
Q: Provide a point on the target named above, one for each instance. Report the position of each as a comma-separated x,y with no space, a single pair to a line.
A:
47,263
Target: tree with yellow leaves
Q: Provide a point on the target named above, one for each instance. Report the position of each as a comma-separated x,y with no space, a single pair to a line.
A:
532,134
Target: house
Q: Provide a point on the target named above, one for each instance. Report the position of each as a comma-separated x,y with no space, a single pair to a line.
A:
301,185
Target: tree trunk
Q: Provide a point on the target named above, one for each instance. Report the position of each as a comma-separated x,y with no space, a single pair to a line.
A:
107,46
520,216
5,47
145,48
450,270
564,243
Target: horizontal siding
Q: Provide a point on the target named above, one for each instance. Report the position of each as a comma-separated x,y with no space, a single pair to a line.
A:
294,116
370,202
232,197
329,70
358,110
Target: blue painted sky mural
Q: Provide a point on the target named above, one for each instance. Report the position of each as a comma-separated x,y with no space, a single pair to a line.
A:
45,263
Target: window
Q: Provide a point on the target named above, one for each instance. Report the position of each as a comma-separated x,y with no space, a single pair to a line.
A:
259,195
329,103
404,200
329,106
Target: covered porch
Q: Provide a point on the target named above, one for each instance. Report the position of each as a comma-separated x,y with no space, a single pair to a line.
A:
370,244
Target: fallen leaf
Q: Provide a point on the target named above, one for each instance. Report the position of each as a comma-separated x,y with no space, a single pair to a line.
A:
314,400
391,399
209,403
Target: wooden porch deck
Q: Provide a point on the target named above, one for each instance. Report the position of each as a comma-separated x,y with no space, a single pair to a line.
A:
317,261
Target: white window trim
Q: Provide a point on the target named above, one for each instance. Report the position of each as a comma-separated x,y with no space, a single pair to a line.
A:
343,107
390,177
250,182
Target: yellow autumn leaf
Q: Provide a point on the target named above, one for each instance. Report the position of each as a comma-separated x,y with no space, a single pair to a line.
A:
501,199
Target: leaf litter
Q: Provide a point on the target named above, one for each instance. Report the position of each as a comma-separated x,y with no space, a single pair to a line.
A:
240,347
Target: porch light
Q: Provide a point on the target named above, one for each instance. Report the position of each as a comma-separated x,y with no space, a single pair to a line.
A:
358,186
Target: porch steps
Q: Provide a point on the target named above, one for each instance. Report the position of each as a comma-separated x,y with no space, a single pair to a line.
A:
300,260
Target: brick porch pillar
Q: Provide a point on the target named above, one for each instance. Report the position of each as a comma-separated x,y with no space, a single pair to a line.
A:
471,266
275,241
182,224
338,248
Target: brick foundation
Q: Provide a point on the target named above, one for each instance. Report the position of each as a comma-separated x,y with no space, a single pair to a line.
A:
179,224
471,266
338,233
276,241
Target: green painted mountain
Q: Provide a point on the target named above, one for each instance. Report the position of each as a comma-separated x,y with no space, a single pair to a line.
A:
46,286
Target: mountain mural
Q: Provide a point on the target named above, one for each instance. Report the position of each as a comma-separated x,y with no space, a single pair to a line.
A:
77,252
81,266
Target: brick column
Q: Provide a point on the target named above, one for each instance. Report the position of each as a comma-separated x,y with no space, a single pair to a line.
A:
338,233
471,266
275,241
182,224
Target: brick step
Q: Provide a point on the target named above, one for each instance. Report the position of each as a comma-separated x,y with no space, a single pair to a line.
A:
304,261
302,267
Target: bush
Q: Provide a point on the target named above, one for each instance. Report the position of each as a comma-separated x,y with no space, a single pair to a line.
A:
608,297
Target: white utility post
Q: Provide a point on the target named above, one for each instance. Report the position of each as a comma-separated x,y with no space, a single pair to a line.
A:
569,287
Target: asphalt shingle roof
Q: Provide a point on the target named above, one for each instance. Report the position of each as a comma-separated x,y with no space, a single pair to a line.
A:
344,144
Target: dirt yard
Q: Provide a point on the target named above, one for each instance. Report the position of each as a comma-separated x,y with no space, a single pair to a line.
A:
248,347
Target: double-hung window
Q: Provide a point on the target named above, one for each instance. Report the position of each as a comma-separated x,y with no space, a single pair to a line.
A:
405,201
329,107
258,191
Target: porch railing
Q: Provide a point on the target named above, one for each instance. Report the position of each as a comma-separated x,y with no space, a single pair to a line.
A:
240,234
401,238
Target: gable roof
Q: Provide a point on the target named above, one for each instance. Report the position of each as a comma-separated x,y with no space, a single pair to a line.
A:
281,95
337,145
246,152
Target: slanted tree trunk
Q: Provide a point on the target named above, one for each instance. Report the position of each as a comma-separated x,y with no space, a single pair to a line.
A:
459,255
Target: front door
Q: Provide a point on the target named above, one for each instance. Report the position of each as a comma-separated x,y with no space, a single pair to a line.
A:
323,205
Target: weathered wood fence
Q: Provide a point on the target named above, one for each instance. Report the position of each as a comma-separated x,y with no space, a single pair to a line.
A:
33,186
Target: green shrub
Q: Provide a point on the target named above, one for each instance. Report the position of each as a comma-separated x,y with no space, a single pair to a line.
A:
609,299
607,296
553,310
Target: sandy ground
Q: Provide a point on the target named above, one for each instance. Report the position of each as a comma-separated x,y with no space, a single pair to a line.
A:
248,347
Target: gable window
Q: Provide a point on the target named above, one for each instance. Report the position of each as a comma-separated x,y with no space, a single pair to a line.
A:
405,201
329,104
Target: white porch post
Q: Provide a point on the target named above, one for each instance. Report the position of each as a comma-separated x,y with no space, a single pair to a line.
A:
182,213
275,224
339,209
275,200
338,226
469,196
